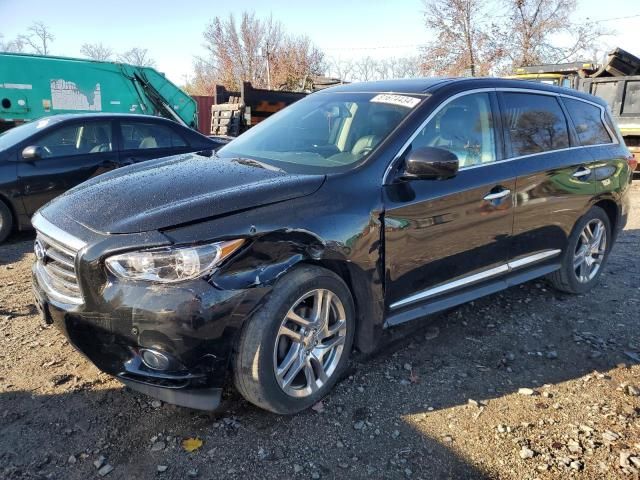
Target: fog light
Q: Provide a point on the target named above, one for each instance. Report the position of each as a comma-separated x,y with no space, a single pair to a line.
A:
154,359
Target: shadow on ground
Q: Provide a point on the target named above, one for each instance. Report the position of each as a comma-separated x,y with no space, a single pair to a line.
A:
527,336
16,247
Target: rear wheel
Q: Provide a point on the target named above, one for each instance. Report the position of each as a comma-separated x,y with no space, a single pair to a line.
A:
586,254
6,221
296,347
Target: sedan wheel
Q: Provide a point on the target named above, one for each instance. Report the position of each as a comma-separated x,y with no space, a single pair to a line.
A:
310,343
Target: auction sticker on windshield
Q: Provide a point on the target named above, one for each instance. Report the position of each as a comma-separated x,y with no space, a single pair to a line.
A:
393,99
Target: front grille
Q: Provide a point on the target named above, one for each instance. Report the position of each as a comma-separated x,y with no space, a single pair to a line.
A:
56,271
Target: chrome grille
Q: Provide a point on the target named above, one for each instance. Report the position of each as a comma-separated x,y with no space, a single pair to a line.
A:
56,271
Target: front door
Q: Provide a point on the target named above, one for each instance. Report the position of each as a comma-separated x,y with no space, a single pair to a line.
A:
445,235
72,153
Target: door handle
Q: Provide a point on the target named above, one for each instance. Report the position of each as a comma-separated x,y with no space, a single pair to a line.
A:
497,195
582,172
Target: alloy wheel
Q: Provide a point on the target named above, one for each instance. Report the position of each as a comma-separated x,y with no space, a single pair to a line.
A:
310,343
589,253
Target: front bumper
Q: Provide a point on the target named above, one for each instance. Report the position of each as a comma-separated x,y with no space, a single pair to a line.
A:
194,324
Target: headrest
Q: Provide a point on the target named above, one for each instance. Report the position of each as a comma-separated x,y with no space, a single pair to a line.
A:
383,122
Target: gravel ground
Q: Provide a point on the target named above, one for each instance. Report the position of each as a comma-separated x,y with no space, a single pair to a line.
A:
529,383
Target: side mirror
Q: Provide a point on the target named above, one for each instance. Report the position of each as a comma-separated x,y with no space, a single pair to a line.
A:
33,152
430,163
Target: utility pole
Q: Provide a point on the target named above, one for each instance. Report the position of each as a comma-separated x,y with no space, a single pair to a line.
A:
268,70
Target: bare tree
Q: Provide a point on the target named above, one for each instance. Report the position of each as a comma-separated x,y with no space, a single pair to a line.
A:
343,69
96,51
464,38
13,46
138,57
365,69
294,62
368,68
240,53
38,38
407,67
534,27
258,51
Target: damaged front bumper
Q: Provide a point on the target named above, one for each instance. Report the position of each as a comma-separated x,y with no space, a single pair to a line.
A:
172,342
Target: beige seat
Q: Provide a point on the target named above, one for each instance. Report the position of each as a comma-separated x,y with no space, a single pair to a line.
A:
381,124
102,142
148,142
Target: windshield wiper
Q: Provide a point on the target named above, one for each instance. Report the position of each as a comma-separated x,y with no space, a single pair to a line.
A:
250,162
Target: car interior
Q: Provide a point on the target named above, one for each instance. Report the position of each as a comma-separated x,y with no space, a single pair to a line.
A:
77,140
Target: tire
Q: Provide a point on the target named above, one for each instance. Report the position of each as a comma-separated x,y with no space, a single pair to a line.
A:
6,221
263,347
566,279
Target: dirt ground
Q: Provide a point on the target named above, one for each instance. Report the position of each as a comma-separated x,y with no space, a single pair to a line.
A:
446,398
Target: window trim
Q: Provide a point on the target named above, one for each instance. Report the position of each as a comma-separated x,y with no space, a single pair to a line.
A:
398,156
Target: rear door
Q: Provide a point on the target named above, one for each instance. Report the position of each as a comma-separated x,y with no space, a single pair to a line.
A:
445,235
147,139
555,178
73,153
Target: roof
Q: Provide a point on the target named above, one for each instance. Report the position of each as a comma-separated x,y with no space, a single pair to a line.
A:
410,85
422,86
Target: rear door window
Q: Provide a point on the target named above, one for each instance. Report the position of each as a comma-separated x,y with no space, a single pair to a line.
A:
534,123
587,120
145,136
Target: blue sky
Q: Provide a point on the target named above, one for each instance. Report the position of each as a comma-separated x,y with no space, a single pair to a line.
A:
172,31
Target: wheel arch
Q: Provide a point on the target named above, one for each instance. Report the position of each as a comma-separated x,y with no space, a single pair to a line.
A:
611,209
274,255
369,312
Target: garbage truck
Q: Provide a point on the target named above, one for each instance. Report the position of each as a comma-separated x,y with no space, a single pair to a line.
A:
617,81
33,86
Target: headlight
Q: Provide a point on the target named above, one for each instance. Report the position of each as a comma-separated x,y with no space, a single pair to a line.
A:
173,264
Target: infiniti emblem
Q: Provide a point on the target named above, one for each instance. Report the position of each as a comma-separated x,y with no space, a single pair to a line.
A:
39,250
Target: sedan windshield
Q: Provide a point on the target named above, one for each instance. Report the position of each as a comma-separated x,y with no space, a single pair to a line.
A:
323,133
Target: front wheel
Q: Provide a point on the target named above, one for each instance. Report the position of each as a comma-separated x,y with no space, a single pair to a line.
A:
586,254
6,221
295,348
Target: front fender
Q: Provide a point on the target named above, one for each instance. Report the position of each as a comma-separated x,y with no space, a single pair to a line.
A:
351,248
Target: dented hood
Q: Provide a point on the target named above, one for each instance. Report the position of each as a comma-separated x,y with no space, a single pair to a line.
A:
175,190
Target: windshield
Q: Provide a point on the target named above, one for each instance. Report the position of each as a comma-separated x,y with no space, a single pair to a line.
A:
17,134
324,132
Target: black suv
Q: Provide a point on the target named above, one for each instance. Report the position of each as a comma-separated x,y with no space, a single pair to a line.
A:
356,209
42,159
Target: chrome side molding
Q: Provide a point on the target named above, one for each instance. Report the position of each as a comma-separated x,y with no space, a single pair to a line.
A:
475,278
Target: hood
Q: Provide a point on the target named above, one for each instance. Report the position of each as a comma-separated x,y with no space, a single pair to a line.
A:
175,190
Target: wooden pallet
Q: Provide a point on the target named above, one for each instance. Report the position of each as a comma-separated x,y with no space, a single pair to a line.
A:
226,118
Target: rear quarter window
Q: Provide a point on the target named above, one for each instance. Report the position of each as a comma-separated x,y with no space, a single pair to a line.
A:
587,120
534,123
